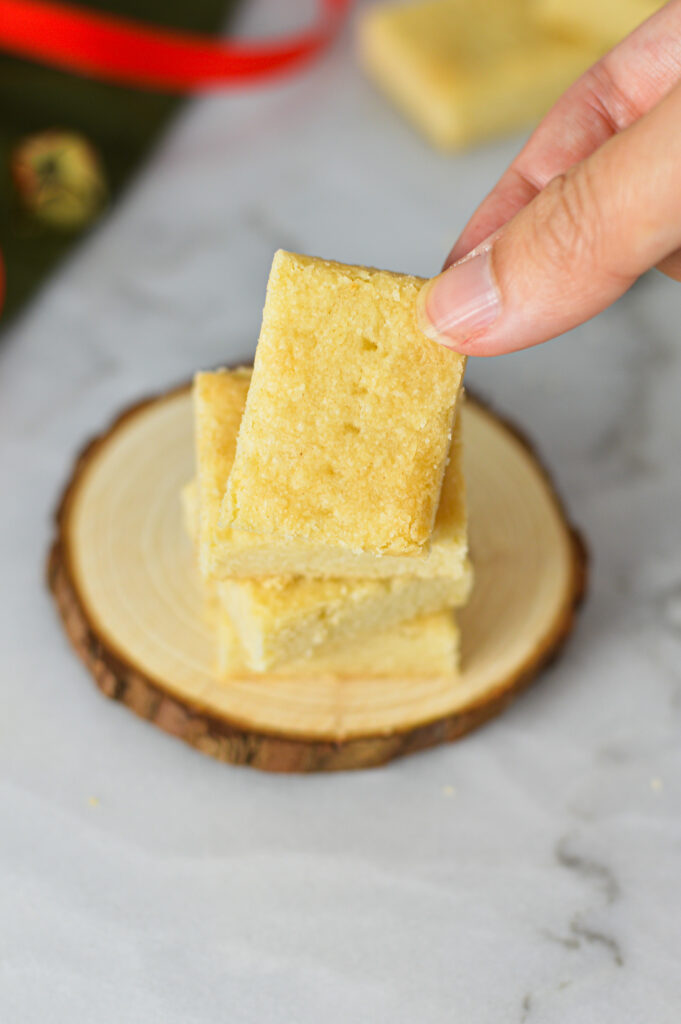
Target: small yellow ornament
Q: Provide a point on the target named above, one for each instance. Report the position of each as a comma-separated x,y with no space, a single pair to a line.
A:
59,178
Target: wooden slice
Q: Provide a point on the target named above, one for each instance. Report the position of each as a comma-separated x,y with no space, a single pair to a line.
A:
122,574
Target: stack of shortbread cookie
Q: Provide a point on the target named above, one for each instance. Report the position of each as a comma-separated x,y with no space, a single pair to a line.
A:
328,508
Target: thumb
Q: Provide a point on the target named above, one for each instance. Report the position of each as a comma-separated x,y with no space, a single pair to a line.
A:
572,251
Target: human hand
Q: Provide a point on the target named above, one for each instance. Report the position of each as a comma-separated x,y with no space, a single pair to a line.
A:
590,203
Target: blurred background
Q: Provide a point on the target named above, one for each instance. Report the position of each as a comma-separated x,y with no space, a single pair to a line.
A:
137,248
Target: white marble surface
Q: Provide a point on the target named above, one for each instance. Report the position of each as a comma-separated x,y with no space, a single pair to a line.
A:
529,873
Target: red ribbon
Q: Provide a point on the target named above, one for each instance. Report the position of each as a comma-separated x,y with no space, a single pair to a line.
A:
130,53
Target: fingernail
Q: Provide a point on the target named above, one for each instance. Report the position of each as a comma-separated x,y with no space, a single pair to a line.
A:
461,301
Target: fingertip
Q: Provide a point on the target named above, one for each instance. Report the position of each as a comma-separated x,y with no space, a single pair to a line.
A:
460,303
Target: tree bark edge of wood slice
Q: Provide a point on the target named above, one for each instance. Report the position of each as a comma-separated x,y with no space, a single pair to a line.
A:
237,742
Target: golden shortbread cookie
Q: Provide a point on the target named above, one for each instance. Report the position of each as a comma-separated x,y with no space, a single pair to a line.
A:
606,22
348,421
465,71
285,619
426,646
219,400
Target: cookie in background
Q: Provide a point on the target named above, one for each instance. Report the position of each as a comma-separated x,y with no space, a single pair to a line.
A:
605,22
465,72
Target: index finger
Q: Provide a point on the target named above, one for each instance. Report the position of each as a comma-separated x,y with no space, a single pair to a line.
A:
626,83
